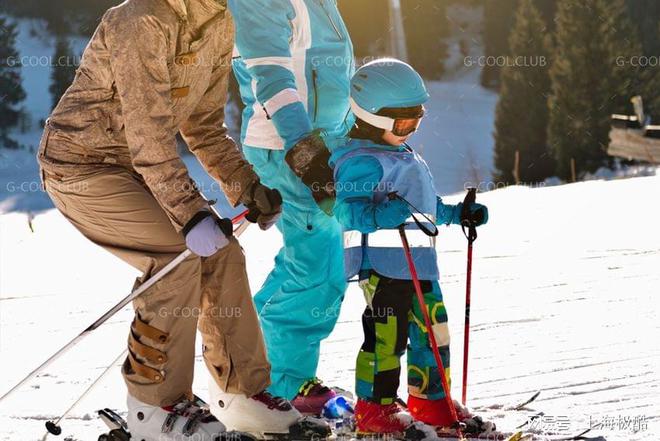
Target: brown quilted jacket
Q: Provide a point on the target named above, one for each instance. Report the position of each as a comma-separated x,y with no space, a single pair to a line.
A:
153,68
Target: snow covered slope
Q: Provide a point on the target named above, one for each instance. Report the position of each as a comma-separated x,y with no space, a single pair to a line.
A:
564,300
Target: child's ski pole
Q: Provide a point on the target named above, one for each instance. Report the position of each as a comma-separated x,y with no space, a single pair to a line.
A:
471,235
429,329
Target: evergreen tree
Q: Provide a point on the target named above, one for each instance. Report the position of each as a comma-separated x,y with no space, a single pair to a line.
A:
521,118
11,89
498,20
64,69
81,15
623,44
645,14
426,27
646,18
368,24
591,78
651,85
548,10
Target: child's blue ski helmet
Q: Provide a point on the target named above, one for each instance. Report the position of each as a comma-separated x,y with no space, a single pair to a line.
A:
387,82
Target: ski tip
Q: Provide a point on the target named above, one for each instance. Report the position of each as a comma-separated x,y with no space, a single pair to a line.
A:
518,436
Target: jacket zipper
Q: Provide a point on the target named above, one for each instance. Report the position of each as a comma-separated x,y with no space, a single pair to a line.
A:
316,93
332,22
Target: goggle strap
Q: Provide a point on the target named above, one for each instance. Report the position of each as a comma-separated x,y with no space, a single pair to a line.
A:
382,122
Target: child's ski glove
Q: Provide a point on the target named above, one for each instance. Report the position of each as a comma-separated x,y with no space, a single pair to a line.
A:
308,159
478,214
206,234
451,214
391,213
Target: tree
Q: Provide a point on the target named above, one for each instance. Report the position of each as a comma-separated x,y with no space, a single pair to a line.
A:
521,118
426,27
646,18
64,69
11,89
368,24
591,78
651,85
623,47
498,20
81,15
645,14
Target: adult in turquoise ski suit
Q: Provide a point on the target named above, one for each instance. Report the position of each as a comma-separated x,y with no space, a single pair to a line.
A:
293,61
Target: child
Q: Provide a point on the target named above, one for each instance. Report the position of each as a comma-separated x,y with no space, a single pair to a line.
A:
387,98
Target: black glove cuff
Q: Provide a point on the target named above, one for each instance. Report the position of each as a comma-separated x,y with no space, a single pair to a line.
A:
253,213
226,226
305,153
197,218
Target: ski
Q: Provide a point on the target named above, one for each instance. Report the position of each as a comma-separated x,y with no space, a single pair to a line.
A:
525,436
306,429
523,404
118,429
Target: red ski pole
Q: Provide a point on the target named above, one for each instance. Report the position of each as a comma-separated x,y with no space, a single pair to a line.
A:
471,235
429,329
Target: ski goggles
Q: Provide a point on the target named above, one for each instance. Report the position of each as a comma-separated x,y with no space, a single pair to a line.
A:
398,126
406,126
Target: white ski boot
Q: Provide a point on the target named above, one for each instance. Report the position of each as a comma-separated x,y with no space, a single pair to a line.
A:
264,416
188,420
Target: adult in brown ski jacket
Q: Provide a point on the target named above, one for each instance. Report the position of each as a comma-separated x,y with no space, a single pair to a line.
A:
109,160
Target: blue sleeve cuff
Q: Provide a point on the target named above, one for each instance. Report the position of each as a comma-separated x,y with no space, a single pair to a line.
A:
448,214
292,123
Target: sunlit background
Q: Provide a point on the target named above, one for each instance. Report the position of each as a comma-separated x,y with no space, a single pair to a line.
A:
522,90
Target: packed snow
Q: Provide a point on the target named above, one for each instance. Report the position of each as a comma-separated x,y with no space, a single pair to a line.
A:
564,301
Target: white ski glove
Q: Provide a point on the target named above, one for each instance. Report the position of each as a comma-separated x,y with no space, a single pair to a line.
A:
206,235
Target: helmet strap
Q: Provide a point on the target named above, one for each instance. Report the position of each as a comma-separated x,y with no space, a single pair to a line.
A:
364,130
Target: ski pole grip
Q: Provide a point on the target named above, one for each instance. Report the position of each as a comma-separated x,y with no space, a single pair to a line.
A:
466,216
470,197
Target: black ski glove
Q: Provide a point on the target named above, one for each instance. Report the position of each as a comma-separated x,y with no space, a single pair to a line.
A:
475,214
309,161
264,205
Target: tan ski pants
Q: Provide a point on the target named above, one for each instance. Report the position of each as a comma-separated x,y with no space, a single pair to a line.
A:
114,209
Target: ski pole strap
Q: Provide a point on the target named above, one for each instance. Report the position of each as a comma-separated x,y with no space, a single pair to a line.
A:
431,232
467,220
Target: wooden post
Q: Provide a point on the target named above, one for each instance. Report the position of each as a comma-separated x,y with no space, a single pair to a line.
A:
516,168
573,174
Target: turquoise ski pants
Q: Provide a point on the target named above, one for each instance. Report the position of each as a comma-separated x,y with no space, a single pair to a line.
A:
298,304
